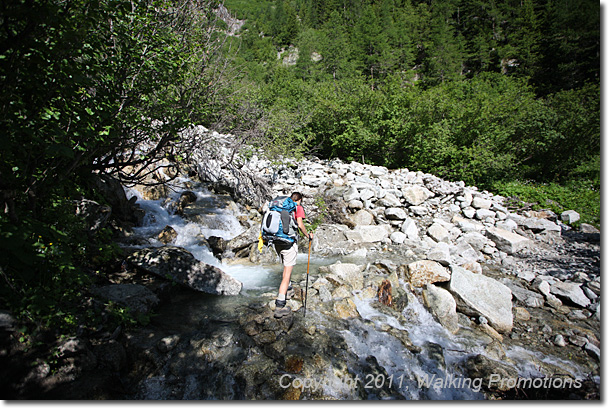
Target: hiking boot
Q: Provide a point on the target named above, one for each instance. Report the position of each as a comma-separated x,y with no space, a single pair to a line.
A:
281,309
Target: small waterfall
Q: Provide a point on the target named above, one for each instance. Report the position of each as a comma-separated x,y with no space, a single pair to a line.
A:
213,215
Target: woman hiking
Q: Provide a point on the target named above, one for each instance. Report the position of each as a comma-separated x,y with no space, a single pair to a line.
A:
288,254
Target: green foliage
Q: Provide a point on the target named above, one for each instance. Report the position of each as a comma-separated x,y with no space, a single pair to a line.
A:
580,196
88,88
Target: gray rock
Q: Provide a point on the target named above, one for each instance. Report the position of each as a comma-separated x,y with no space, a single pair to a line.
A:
7,320
508,225
389,200
95,215
362,217
346,273
395,214
370,233
351,194
540,224
572,292
505,241
398,237
355,204
419,210
469,212
527,297
442,305
438,232
481,203
410,229
475,239
484,296
179,265
559,341
330,239
483,214
467,225
440,253
570,216
415,194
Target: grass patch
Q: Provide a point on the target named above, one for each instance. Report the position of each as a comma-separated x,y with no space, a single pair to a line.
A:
580,196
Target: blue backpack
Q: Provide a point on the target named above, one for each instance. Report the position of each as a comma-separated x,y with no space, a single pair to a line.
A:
279,224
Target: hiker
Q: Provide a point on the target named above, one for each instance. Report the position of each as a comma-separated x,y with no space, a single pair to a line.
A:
288,254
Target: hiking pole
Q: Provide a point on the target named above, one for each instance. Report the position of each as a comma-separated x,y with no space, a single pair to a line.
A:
307,280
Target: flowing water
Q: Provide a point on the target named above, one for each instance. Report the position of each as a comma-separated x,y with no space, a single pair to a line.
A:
434,373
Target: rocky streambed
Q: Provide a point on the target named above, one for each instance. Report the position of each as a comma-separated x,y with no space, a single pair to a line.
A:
418,288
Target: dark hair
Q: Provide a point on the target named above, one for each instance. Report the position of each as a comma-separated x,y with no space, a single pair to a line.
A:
296,196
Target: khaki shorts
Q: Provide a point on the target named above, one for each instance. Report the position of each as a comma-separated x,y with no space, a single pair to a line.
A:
287,253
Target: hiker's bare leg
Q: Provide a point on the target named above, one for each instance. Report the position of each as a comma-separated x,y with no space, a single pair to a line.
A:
285,280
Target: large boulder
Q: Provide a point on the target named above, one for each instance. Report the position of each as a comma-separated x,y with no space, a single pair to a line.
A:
423,272
505,241
442,305
479,295
541,224
369,233
330,239
179,265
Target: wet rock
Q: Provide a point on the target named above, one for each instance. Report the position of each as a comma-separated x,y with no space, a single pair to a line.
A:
245,239
181,266
345,309
493,373
217,245
482,295
167,235
423,272
442,305
137,298
168,343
